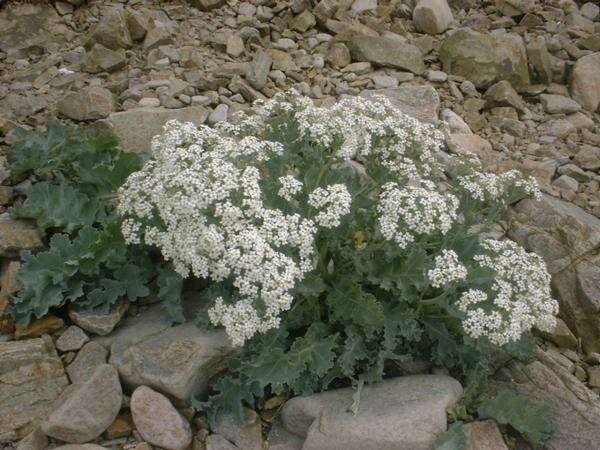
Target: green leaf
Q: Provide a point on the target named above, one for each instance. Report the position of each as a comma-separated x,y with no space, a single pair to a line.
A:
56,206
352,304
530,418
453,439
231,397
170,285
315,350
354,350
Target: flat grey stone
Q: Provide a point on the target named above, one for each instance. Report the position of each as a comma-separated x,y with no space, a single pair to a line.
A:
419,101
98,321
404,412
136,128
72,339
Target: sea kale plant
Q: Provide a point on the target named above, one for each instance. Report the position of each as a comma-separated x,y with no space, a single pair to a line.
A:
337,243
75,173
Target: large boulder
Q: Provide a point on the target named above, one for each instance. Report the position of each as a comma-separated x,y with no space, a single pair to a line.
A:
585,81
177,360
111,31
386,52
419,101
31,379
567,238
404,412
136,128
432,16
88,409
485,59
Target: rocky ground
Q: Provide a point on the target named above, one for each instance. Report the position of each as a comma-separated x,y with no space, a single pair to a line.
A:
516,82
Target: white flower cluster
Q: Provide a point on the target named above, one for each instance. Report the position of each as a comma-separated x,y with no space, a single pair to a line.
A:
520,295
406,212
203,210
447,269
290,187
491,187
355,128
332,202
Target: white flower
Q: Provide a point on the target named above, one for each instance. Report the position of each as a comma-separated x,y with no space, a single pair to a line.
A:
520,295
406,212
447,269
491,187
290,186
333,202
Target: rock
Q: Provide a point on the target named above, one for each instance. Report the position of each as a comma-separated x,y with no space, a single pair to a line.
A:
121,427
465,144
80,447
88,410
17,235
403,412
580,121
137,24
503,94
87,360
484,435
258,69
31,378
36,440
575,410
588,157
383,81
235,46
207,5
157,36
432,16
565,182
98,321
9,285
360,6
218,442
565,236
590,10
136,128
112,31
102,59
562,336
247,435
387,53
303,21
90,103
178,361
338,55
281,439
157,421
455,123
437,76
559,104
219,114
585,81
485,59
594,376
514,8
72,339
419,101
38,327
558,128
540,59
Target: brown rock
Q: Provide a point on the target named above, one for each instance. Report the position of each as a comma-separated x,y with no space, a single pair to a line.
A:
17,235
585,81
88,409
386,52
88,358
338,55
88,104
157,421
112,31
121,427
37,327
31,379
484,435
